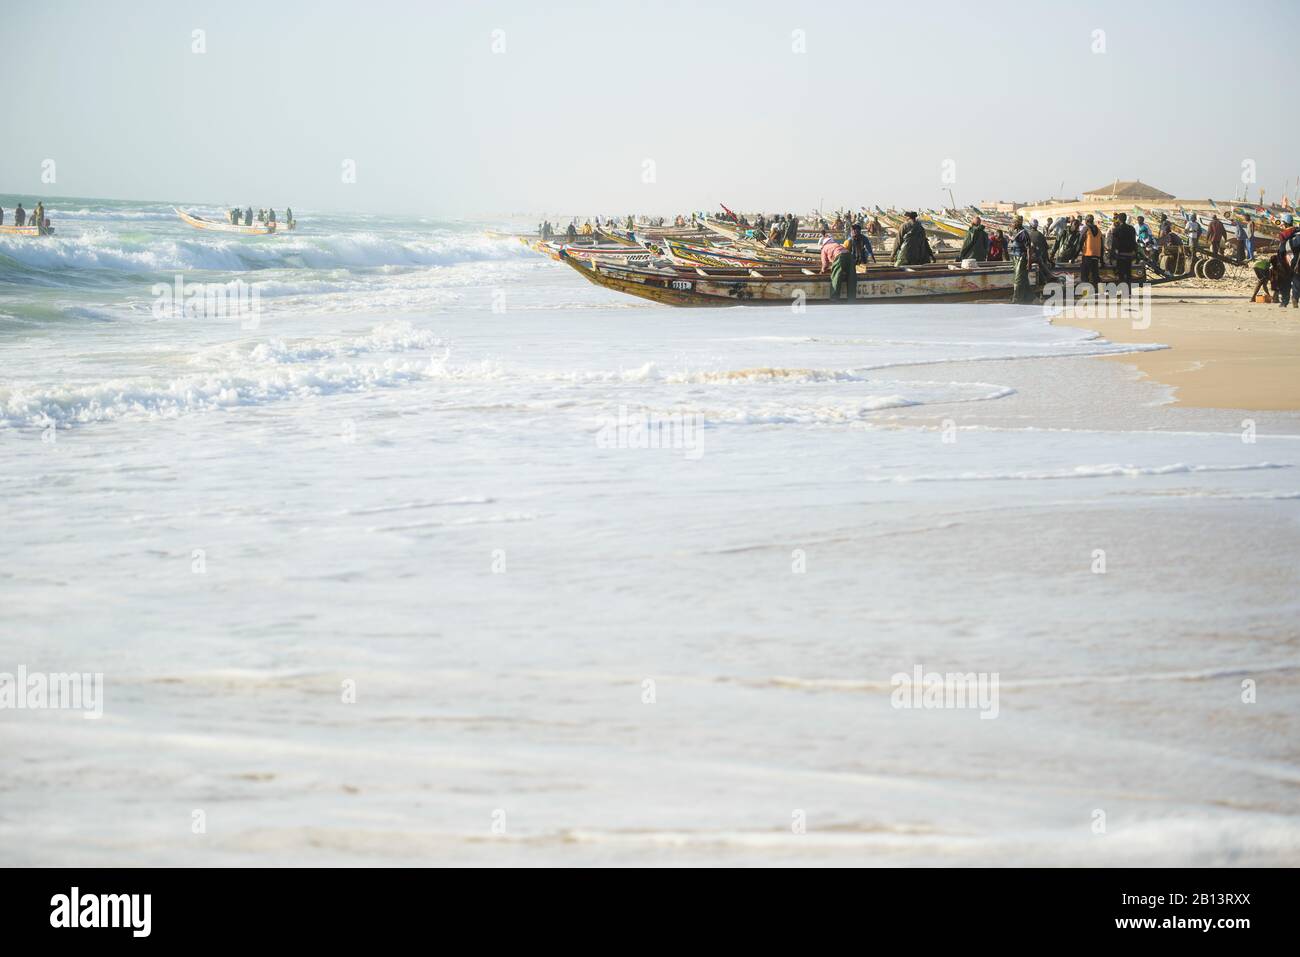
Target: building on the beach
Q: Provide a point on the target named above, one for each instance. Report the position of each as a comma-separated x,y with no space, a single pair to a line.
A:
1116,196
999,205
1126,190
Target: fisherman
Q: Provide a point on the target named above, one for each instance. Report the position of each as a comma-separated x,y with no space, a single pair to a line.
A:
1123,245
860,247
1020,255
270,216
38,217
1060,230
1172,248
587,230
840,263
1164,230
20,215
2,215
1038,246
1288,261
248,216
1268,275
1092,249
1241,241
913,248
976,244
1217,235
1145,240
791,230
571,234
1194,234
288,216
1250,240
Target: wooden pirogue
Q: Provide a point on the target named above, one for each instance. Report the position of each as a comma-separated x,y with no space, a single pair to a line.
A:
257,229
777,286
10,229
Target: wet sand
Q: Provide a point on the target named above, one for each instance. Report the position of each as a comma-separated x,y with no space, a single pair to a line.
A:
1225,351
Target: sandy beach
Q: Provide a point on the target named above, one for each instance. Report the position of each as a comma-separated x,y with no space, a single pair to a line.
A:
1225,352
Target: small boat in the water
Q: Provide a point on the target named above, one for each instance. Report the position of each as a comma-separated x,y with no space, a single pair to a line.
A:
30,229
257,229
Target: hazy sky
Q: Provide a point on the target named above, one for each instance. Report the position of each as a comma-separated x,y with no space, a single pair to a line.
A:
716,95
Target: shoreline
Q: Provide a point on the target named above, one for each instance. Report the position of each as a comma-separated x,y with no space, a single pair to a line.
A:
1225,352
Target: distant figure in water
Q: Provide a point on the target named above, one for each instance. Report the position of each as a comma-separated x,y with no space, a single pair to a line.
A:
2,215
20,215
270,215
288,216
38,216
248,216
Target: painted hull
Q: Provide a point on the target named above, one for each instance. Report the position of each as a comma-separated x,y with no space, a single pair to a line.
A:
11,230
689,255
681,287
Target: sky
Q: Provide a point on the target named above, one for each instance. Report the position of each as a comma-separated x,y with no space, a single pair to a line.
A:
496,108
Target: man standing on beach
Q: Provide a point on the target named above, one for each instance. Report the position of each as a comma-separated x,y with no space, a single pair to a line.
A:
1020,253
1194,235
913,248
791,230
843,277
1093,247
976,244
1038,246
1288,262
1217,235
1123,243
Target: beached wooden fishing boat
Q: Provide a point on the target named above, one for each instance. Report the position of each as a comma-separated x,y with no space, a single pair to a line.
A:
198,222
943,226
781,287
617,255
735,231
689,254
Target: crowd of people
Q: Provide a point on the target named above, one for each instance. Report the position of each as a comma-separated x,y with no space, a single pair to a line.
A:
849,241
265,217
548,230
1278,275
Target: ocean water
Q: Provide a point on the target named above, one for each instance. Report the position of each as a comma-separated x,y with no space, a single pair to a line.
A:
394,574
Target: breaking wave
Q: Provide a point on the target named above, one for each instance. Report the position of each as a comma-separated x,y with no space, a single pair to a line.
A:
98,249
